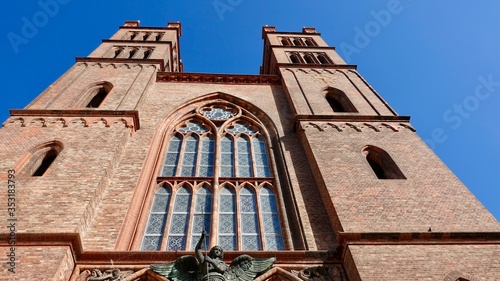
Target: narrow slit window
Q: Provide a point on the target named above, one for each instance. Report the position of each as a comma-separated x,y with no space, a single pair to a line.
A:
132,53
338,101
297,42
47,160
118,51
323,60
382,163
294,58
310,42
285,42
309,59
96,101
147,53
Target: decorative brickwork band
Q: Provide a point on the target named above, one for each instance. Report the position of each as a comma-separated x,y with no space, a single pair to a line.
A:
73,118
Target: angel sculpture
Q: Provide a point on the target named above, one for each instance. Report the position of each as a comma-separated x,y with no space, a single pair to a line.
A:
212,267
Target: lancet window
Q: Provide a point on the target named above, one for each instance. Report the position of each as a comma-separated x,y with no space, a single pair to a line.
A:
216,176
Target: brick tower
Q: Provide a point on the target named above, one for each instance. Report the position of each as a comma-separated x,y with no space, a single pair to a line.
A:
126,159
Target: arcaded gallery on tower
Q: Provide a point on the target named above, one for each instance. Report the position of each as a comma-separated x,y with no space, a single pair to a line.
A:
129,168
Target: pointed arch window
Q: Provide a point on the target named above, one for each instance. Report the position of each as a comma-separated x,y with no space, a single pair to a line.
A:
338,101
295,57
42,159
241,188
97,93
285,41
310,42
324,59
47,160
298,42
309,58
382,164
132,52
147,53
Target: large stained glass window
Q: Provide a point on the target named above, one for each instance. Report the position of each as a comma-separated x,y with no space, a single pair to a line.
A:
241,189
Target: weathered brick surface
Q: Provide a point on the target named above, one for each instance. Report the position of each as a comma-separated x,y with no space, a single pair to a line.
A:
430,196
63,199
426,262
53,263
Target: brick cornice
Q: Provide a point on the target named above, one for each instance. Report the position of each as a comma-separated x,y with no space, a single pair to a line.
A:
307,48
135,42
352,117
352,120
347,239
134,114
149,27
419,238
216,78
160,62
317,65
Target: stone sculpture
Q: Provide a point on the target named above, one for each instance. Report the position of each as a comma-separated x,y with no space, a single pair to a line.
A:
212,267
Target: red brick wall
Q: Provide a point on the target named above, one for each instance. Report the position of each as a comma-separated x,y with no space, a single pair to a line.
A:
54,263
426,262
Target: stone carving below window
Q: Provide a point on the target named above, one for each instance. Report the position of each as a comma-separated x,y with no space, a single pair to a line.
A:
320,273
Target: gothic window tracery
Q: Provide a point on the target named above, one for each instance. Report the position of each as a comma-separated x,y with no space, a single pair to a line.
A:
193,190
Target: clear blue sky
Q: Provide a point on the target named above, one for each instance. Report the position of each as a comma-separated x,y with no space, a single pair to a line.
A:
437,61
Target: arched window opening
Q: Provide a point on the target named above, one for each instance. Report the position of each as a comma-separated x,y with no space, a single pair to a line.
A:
42,159
323,59
197,157
247,216
285,41
335,104
310,42
382,164
295,58
298,42
133,35
47,160
147,53
338,101
146,36
309,59
98,94
158,36
118,51
132,52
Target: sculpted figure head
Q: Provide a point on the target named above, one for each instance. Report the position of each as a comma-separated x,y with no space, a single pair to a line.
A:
216,252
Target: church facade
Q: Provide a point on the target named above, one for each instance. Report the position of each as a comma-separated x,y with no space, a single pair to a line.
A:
126,160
